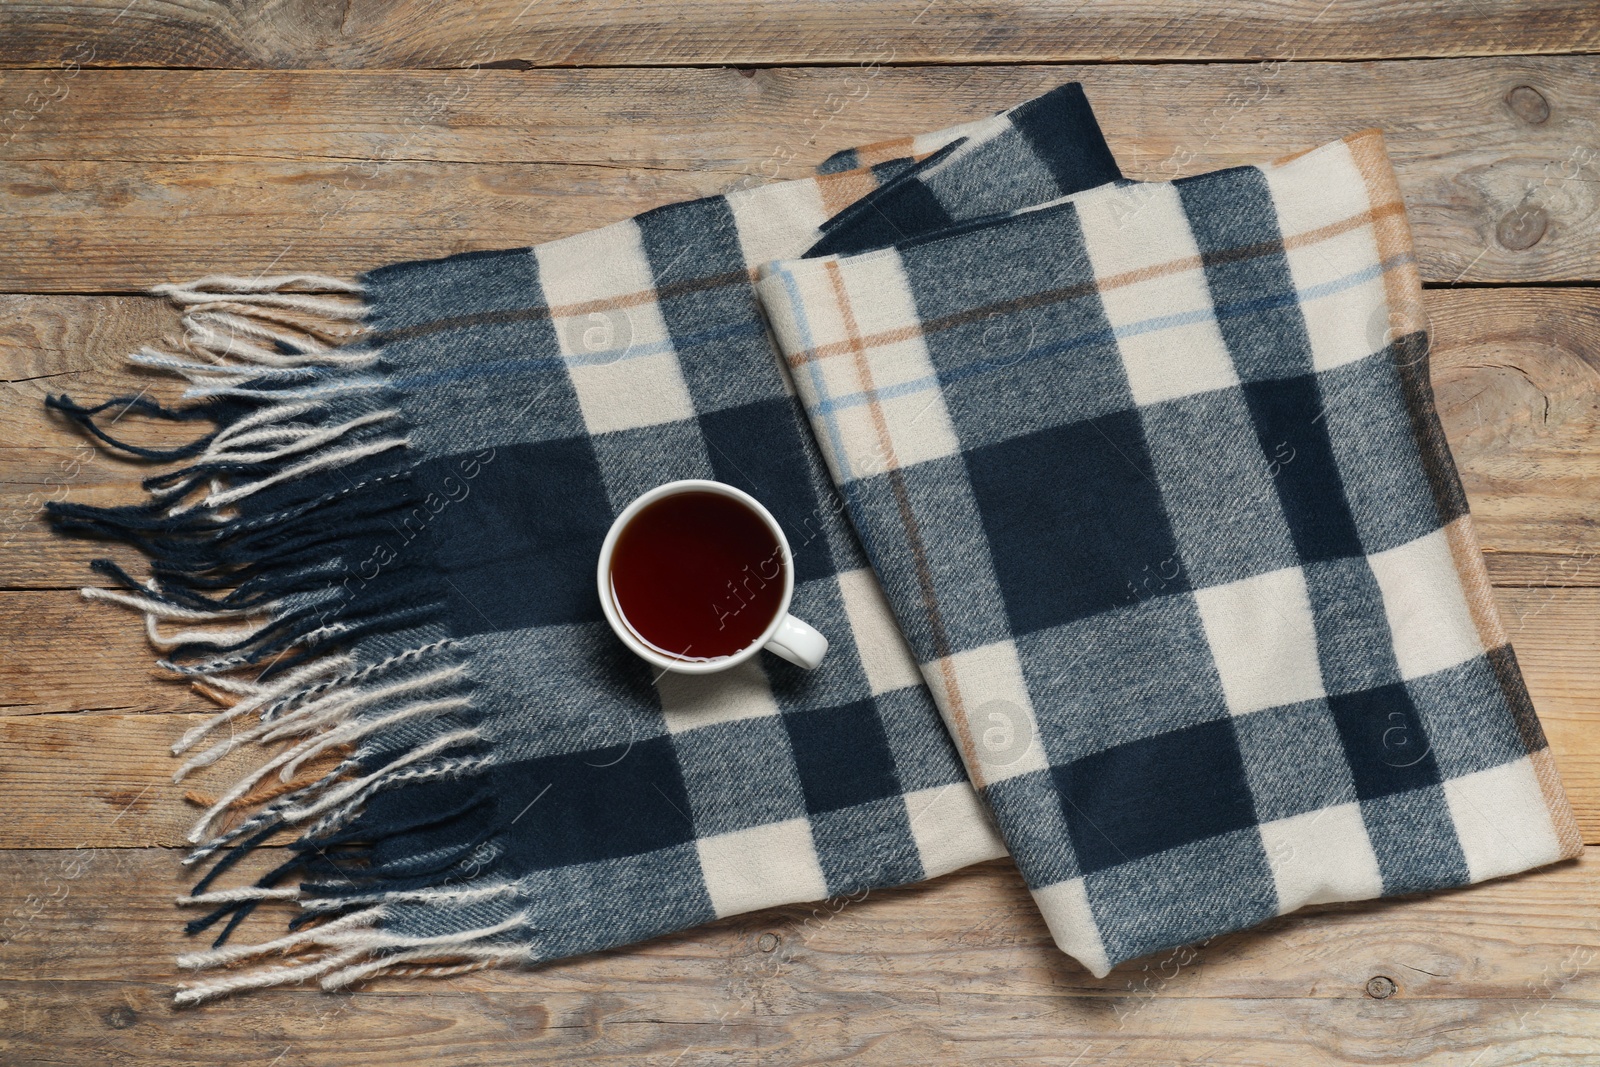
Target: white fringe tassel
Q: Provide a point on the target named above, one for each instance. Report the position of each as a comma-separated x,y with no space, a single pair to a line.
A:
280,330
342,942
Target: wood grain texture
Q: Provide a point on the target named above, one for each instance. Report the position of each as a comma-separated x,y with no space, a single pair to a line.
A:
957,969
1516,371
1516,376
103,779
1566,695
64,655
688,1027
134,177
114,180
78,915
426,33
74,345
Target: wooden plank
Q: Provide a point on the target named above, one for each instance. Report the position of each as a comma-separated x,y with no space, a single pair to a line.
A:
957,969
1564,682
136,177
719,118
107,915
103,780
74,345
1516,375
31,556
1515,371
69,778
64,655
1539,570
775,1025
415,33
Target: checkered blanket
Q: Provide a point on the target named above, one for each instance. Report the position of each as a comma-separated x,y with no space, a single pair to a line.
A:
1154,484
406,527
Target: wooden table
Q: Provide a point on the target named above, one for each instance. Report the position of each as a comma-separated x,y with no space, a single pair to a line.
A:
156,140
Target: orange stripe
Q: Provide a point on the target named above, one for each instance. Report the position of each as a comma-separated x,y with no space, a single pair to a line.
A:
1402,287
839,191
883,151
1568,837
955,710
1468,558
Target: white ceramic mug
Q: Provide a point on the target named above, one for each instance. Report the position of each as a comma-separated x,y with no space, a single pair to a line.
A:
785,636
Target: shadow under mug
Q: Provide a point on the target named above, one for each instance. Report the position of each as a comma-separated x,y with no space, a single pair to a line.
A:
785,636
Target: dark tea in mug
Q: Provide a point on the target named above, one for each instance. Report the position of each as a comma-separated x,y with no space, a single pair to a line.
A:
697,575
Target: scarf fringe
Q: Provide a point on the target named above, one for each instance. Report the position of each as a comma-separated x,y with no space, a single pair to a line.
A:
347,950
251,600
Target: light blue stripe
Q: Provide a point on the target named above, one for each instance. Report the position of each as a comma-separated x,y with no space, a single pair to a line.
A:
848,487
826,406
819,387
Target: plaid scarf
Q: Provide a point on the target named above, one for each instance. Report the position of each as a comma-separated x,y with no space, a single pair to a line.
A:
1154,484
381,560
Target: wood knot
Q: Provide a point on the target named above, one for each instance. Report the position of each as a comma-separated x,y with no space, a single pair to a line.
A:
1380,987
1522,228
121,1017
767,942
1528,104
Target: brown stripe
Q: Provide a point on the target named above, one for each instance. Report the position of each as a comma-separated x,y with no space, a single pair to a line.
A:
839,191
905,333
1411,364
884,151
1115,281
1408,322
1402,287
1468,558
1292,156
1503,662
1403,292
955,709
1562,818
1346,140
584,307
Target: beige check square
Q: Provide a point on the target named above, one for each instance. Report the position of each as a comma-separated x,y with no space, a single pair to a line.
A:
1263,640
865,373
1429,619
951,828
610,329
1154,292
1502,820
775,221
885,656
984,699
690,701
1321,856
1333,255
761,867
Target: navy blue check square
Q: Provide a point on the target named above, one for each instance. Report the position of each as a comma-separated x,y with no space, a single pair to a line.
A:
1074,521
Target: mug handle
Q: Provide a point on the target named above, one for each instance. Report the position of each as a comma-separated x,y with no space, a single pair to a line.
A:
798,642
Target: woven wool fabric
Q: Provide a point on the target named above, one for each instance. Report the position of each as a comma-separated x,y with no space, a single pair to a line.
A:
1154,484
402,531
1046,147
